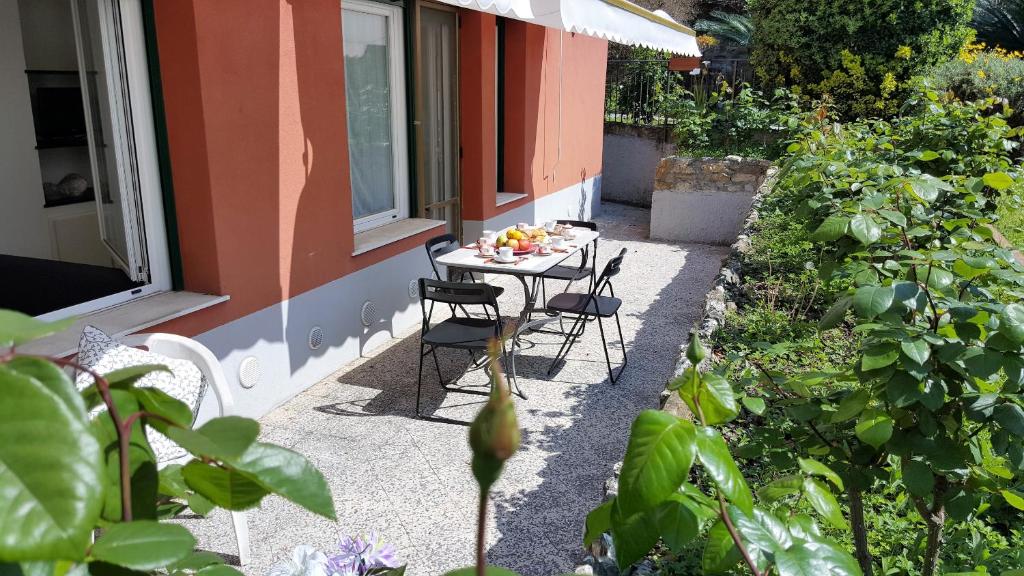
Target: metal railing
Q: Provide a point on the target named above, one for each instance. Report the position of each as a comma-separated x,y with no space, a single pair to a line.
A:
642,92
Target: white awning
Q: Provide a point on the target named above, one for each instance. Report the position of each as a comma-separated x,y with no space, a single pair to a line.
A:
618,21
518,9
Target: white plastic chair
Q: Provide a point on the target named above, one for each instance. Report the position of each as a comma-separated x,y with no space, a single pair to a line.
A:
179,347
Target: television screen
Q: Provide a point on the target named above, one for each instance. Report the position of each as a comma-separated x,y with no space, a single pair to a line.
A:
59,115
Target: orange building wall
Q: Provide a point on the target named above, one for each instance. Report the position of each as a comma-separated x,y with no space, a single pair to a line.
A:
254,96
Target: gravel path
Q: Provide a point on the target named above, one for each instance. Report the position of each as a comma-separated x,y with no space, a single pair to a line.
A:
409,479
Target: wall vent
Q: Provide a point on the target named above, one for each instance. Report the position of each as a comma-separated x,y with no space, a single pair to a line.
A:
414,288
249,371
316,338
368,314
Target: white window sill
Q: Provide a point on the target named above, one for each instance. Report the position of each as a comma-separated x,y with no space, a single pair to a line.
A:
391,233
124,319
508,197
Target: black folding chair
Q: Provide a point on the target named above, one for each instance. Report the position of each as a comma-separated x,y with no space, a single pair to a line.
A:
464,333
593,304
570,274
439,246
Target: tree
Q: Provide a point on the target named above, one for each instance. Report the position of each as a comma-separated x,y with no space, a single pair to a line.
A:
862,57
1000,23
728,27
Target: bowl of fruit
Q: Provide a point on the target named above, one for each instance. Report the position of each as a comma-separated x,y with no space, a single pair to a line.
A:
521,241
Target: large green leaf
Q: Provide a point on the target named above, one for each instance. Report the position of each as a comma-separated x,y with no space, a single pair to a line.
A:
870,301
780,488
714,455
762,532
865,228
824,502
54,379
916,350
599,521
879,356
163,405
997,180
717,399
832,229
816,559
815,468
1010,417
918,478
658,460
51,486
1013,498
144,477
634,534
677,523
17,328
720,551
222,438
143,545
874,428
224,487
287,473
835,314
1011,323
851,406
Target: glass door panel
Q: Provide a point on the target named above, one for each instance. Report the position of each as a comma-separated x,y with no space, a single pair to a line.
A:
374,103
99,37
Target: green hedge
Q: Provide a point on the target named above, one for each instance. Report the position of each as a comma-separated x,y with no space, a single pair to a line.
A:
859,53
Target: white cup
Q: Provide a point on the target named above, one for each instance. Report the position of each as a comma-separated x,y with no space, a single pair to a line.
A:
505,253
544,249
522,226
487,249
557,242
550,225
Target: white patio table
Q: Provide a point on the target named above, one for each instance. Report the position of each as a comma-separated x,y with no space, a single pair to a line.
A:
532,267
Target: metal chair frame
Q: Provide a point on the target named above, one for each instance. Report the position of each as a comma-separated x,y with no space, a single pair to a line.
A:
456,295
583,313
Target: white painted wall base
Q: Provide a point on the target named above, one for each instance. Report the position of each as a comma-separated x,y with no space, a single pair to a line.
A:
699,216
278,335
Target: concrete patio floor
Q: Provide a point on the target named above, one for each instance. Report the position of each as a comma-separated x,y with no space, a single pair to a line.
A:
409,479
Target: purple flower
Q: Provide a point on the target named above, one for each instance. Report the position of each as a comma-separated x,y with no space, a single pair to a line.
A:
360,554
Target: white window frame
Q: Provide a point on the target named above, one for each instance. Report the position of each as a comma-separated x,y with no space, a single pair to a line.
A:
399,136
147,164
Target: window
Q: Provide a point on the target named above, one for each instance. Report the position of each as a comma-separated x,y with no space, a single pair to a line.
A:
82,225
375,104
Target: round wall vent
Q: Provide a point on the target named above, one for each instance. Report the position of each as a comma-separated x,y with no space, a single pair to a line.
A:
316,338
368,314
249,371
414,288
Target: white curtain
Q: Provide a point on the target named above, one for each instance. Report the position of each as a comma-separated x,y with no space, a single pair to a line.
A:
368,96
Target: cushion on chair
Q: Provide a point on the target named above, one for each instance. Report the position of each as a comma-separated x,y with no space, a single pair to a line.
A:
101,353
573,303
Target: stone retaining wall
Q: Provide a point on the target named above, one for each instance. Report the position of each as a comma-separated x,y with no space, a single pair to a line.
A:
704,200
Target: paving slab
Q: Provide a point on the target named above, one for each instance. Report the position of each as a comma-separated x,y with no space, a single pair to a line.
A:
409,479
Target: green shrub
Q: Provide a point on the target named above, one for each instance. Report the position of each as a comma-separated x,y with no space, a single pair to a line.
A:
860,54
727,120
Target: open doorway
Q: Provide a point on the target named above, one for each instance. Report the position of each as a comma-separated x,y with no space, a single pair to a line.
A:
71,225
439,110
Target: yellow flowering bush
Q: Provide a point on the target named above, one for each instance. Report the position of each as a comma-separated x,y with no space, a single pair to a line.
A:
982,72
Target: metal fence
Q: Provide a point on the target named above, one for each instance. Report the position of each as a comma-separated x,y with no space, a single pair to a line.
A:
642,92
